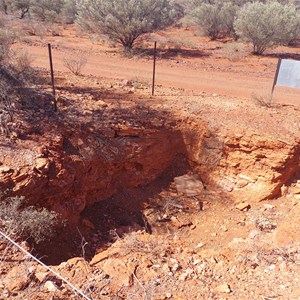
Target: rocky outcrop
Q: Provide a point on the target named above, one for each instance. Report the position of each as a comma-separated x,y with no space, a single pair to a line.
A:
246,167
75,170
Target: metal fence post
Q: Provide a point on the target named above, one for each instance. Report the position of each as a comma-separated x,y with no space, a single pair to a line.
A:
154,67
52,77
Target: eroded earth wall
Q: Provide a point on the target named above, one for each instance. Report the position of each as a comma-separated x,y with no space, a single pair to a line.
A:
74,169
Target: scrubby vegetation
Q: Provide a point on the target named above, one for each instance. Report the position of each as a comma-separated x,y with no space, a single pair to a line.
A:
124,21
215,19
75,62
43,10
262,23
267,24
29,223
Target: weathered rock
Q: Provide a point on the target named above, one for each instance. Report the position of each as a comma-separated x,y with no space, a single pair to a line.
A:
98,258
223,288
189,185
70,179
243,206
253,234
88,224
41,276
183,277
17,278
5,169
42,165
117,270
287,233
250,167
91,164
78,263
50,286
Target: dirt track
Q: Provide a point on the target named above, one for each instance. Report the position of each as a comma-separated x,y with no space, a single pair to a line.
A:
203,71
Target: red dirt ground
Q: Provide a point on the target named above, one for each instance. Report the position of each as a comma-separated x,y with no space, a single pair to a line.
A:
220,252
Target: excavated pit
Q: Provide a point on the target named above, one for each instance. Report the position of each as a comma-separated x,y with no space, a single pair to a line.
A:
102,177
145,182
104,222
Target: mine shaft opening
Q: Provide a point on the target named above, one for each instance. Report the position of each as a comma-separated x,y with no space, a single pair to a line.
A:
106,221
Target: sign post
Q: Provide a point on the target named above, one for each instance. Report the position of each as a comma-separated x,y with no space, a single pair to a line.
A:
276,77
287,74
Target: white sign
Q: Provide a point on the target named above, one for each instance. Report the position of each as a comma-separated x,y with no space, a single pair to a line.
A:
289,73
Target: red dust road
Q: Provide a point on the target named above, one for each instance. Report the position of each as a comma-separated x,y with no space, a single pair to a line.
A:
193,77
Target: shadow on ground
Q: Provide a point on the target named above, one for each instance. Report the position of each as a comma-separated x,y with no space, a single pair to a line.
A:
170,53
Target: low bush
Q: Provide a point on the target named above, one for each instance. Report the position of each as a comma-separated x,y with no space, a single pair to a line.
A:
75,62
28,223
22,61
124,21
267,24
215,18
234,51
7,38
262,100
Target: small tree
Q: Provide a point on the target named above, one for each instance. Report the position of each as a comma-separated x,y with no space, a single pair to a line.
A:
4,6
69,11
123,21
215,17
45,10
22,7
267,24
207,16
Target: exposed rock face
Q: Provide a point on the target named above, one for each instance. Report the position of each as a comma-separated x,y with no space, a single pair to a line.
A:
188,185
76,172
76,169
255,167
247,168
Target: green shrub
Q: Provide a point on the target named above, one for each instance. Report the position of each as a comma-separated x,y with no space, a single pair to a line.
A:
267,24
207,16
45,10
227,14
216,18
123,21
69,12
